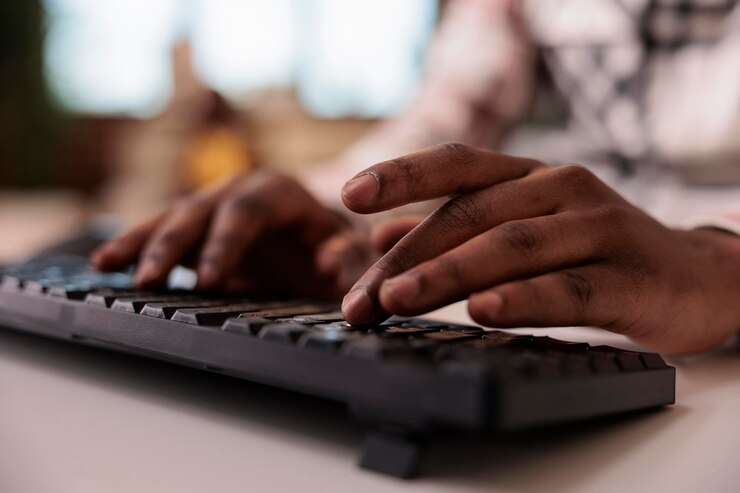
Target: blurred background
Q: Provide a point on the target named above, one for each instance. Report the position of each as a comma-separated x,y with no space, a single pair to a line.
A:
110,107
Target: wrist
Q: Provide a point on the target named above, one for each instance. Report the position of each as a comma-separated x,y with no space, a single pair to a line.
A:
721,250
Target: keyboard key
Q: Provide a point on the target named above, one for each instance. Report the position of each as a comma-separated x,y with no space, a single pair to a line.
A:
335,327
264,309
285,332
246,325
136,304
283,311
34,288
11,283
68,292
168,308
453,335
427,324
215,315
319,318
496,339
372,347
405,330
326,340
105,297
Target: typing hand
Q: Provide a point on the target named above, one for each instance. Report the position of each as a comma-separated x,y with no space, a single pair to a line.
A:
533,245
258,233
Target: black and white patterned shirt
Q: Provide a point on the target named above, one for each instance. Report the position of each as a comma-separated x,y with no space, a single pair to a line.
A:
643,79
649,84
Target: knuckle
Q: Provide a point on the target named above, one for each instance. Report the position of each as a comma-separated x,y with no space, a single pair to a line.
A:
220,245
224,240
398,260
170,237
463,154
209,259
158,246
522,237
462,212
245,202
575,176
154,254
581,292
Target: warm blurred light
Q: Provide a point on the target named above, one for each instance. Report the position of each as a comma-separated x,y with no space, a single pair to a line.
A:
346,57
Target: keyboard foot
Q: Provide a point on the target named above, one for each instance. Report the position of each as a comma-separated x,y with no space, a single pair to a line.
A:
393,453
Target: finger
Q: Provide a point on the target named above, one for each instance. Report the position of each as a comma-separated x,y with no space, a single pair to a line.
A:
173,240
439,171
344,258
128,247
511,251
385,235
587,295
266,202
452,224
123,250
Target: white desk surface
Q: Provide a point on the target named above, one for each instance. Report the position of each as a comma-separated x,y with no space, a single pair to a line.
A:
79,420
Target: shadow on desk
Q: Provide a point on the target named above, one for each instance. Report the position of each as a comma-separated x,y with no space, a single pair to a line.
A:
555,459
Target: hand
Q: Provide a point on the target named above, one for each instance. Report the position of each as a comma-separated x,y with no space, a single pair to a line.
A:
534,245
259,233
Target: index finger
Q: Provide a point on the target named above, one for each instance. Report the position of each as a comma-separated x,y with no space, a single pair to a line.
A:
447,169
122,250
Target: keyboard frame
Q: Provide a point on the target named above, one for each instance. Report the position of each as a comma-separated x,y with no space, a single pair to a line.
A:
398,401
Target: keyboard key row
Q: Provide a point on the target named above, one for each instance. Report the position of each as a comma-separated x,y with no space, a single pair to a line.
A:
319,326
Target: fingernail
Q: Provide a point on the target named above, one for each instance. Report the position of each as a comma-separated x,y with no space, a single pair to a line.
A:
357,306
362,189
404,288
490,302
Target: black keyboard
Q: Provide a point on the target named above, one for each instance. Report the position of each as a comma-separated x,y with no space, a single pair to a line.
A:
405,378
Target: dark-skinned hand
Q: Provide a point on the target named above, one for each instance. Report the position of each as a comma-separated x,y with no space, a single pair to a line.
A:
533,245
260,233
